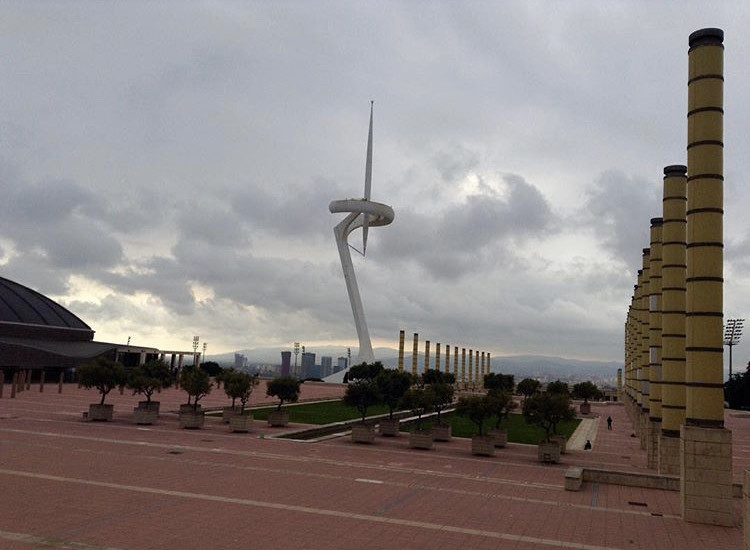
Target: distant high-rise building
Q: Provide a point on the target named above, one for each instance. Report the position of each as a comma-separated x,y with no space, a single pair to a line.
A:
326,366
240,361
286,363
308,364
343,363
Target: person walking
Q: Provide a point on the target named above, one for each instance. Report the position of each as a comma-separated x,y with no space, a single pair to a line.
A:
609,422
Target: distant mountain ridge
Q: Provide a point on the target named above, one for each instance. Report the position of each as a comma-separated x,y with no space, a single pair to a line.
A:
525,365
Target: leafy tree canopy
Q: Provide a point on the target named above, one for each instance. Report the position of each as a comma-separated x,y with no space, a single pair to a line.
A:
212,368
558,387
102,373
362,394
528,387
499,382
501,403
196,384
365,371
476,408
737,390
547,410
392,385
436,376
149,377
239,385
285,389
586,390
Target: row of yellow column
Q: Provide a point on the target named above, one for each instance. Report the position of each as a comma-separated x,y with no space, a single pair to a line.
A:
674,328
478,362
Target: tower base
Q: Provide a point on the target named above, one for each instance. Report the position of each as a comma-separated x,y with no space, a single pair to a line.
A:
669,455
706,475
643,427
652,443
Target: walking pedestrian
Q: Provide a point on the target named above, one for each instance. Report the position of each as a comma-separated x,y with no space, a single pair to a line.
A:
609,422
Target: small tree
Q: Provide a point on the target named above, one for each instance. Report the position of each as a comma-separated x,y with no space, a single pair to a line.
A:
547,410
441,389
419,400
365,371
103,374
392,385
586,391
477,408
499,382
501,403
196,383
362,394
737,390
284,388
149,377
239,385
212,368
224,376
528,387
558,387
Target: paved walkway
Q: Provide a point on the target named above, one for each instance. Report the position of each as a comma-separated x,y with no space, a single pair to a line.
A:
72,484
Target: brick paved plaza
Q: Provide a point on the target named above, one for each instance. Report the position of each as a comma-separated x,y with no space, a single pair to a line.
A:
72,484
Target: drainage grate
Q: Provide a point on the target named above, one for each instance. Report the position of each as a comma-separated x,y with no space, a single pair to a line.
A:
632,503
175,452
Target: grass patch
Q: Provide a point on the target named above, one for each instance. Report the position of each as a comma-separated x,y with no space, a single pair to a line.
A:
518,430
320,413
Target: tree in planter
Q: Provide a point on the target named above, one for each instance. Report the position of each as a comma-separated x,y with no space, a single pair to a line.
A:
476,408
501,404
196,383
362,394
103,374
392,385
528,387
240,385
586,391
419,400
499,382
212,368
547,410
558,387
149,377
284,388
224,376
441,389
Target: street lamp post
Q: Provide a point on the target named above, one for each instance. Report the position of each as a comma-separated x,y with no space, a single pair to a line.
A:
732,335
196,341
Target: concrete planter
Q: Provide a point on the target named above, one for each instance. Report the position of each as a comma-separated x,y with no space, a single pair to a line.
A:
149,406
363,433
389,427
227,413
585,408
102,413
240,422
192,420
278,418
420,440
442,432
500,437
483,445
560,440
188,408
144,416
549,452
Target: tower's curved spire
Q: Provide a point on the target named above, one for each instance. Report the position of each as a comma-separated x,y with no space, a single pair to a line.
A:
368,183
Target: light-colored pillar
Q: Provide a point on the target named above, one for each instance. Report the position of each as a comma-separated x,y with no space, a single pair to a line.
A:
483,371
455,362
401,336
426,355
471,360
674,267
41,381
489,367
447,358
619,384
463,365
415,355
706,446
654,346
142,358
437,356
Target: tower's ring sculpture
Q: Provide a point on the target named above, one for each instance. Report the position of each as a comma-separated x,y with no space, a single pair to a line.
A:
361,212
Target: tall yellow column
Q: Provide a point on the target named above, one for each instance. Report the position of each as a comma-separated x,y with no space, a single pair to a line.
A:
463,365
415,355
654,345
426,355
447,358
437,356
455,362
489,369
644,364
401,350
636,369
483,371
476,367
674,267
471,357
619,384
706,446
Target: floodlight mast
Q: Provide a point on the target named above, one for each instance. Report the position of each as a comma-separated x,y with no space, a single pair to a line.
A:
732,334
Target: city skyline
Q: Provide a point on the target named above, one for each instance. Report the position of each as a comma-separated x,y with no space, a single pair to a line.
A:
159,173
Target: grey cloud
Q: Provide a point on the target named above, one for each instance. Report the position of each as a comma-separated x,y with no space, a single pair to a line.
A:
455,162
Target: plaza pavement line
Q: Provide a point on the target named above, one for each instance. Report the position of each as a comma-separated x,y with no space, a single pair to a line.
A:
315,511
586,430
51,542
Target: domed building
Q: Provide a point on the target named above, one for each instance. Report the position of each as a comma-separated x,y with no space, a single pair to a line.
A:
37,333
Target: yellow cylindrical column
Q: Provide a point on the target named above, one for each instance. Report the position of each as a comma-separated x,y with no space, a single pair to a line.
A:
483,367
401,336
654,344
447,358
463,365
674,235
471,357
415,355
706,447
644,364
437,356
426,355
637,347
704,347
476,367
489,369
455,362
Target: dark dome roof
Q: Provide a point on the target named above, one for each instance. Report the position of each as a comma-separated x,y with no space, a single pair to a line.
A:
20,304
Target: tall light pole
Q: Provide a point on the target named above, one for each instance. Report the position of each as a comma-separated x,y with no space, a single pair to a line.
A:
205,345
732,335
296,353
196,341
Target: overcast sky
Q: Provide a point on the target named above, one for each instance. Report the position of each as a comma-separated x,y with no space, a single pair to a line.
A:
166,168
